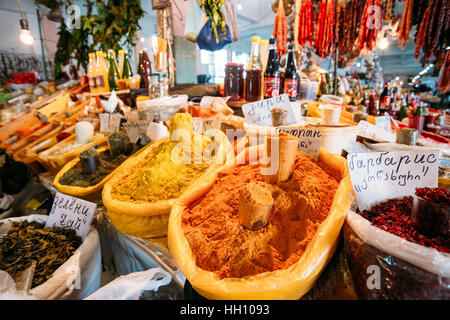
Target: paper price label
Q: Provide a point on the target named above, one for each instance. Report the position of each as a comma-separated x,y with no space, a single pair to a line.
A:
380,176
136,130
309,142
369,131
384,122
258,112
201,125
73,213
110,123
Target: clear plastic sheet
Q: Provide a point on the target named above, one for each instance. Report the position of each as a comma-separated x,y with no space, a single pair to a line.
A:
407,270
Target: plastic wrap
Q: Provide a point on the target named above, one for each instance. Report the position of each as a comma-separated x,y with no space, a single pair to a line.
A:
291,283
407,270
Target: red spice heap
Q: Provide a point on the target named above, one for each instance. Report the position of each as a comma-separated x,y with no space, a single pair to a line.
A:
394,216
437,195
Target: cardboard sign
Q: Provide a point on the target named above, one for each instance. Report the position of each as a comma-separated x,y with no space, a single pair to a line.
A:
110,123
201,125
258,112
309,141
136,130
379,176
73,213
369,131
383,122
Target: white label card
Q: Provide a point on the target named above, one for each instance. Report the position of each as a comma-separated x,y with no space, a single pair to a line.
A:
309,141
136,130
201,125
369,131
379,176
258,112
72,213
383,122
110,122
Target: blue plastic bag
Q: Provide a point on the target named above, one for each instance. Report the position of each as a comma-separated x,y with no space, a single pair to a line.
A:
207,41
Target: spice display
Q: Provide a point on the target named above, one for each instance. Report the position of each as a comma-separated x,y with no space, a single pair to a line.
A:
107,163
394,216
30,241
159,177
220,244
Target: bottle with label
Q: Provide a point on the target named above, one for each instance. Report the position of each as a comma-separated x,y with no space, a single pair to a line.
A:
139,65
385,98
101,73
403,110
145,70
323,87
91,73
254,71
272,76
127,71
264,52
121,62
291,78
372,108
113,73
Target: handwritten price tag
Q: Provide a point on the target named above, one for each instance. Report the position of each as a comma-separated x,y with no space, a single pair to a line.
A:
259,112
380,176
369,131
384,122
72,213
309,139
201,125
136,130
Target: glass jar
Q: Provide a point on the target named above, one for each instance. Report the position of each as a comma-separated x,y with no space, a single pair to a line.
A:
253,85
164,85
234,81
154,90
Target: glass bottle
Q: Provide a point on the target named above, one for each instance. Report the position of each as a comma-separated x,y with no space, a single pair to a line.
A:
146,70
92,73
113,73
234,81
101,73
272,76
127,71
290,75
254,71
373,109
121,62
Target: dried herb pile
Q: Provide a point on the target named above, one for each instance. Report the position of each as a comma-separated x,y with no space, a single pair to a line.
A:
29,241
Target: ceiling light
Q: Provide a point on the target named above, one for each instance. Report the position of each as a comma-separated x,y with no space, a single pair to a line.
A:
25,34
384,43
358,65
142,39
397,78
239,6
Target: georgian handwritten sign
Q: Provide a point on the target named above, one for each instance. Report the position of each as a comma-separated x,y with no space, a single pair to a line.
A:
369,131
72,213
258,112
309,141
380,176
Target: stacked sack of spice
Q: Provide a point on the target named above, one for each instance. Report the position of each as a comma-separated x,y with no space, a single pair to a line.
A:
141,193
245,233
85,176
64,266
405,242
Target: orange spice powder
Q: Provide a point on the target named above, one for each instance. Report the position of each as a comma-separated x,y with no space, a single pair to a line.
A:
220,244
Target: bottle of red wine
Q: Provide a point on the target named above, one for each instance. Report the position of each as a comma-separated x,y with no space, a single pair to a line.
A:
290,75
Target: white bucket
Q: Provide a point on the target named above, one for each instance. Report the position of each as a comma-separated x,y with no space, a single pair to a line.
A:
334,139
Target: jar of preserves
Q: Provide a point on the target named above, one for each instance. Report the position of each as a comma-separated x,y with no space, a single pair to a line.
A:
234,81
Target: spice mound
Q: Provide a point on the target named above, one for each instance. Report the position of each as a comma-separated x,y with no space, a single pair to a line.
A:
394,216
29,241
76,177
220,244
159,176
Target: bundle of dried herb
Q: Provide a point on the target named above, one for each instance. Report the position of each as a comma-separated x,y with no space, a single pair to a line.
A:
29,241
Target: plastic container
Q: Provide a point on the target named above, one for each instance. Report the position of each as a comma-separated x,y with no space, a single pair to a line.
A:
416,123
331,115
335,139
165,107
308,89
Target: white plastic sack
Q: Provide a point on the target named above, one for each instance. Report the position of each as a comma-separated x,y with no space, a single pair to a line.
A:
78,277
194,21
129,287
428,259
156,131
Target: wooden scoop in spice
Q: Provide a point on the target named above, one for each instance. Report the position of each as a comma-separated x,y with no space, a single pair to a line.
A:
279,165
255,205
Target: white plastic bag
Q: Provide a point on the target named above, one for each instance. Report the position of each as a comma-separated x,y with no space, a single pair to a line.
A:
129,287
78,277
194,21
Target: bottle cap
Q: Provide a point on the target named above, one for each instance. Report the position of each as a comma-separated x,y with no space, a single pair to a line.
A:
91,55
273,40
121,51
264,42
256,38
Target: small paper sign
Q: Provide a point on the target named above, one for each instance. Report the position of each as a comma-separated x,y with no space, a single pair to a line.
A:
258,112
355,147
309,141
369,131
73,213
136,130
110,123
201,125
380,176
383,122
